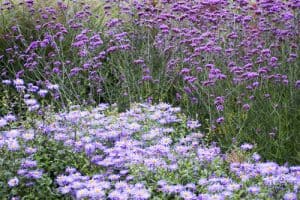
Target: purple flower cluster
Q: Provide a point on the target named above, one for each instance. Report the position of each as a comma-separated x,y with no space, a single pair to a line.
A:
194,35
211,31
132,146
20,141
97,186
7,119
31,92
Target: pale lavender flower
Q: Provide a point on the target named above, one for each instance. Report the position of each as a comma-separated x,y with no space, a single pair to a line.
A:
28,136
30,150
13,133
10,118
82,193
13,145
246,146
96,193
246,107
290,196
233,187
217,187
192,124
13,182
140,194
35,174
18,82
43,92
253,189
220,120
256,157
6,82
27,163
187,195
31,102
52,86
3,122
64,189
118,195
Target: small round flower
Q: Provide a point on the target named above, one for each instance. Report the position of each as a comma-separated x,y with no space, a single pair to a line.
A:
121,186
246,107
161,183
192,124
35,174
28,136
82,193
33,108
290,196
30,150
97,193
13,145
165,141
26,96
253,189
70,170
30,102
22,172
187,195
116,195
256,157
13,182
64,189
220,107
10,118
42,92
19,81
297,84
13,133
6,82
246,146
28,163
53,86
3,122
233,187
89,148
114,177
202,181
220,120
217,187
141,194
190,186
267,168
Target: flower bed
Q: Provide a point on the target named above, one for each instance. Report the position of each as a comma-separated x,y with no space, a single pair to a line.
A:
147,152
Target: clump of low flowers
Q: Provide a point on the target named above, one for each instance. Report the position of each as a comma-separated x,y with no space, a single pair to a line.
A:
146,152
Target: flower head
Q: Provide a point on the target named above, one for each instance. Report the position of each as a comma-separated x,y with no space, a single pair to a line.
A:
290,196
13,182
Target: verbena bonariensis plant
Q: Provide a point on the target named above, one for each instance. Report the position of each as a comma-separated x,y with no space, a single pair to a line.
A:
233,64
147,152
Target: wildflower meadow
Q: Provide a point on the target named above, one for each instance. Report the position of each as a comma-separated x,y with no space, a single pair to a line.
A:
150,99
